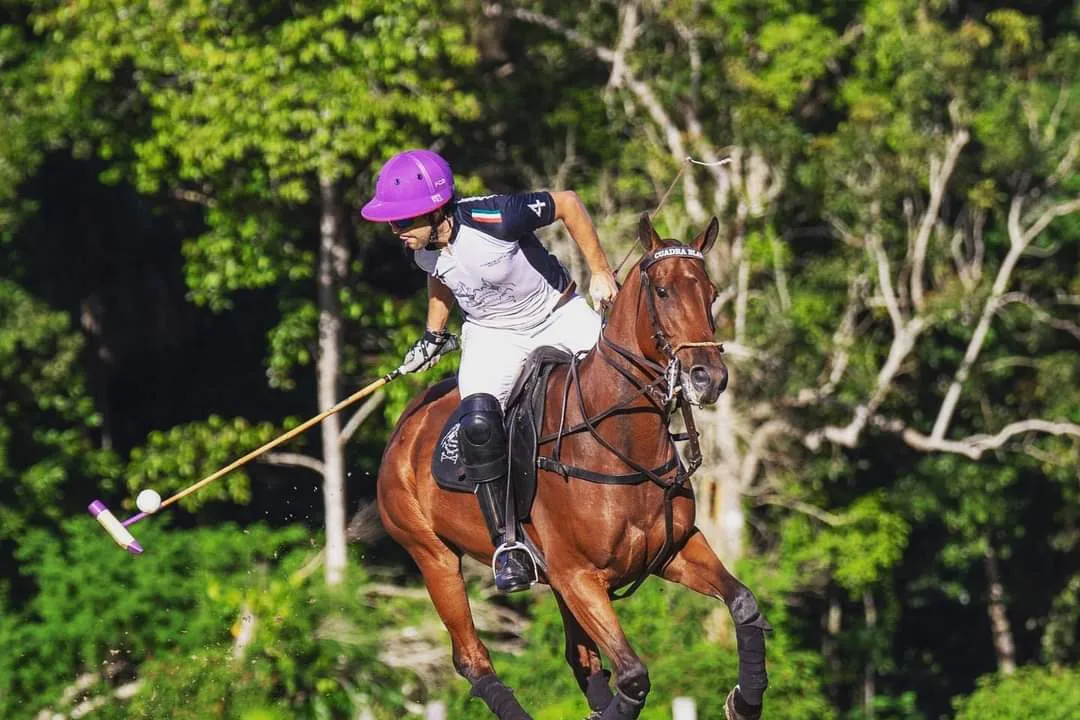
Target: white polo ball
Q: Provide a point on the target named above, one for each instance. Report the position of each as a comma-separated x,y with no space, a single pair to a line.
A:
148,501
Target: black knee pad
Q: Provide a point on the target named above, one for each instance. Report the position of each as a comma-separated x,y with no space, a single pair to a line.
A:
634,683
483,438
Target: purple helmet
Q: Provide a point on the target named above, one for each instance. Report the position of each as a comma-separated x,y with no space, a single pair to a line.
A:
411,183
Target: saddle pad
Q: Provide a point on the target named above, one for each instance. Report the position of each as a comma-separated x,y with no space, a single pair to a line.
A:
446,460
449,471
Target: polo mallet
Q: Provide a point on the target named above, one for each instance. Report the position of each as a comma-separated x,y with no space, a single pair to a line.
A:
119,530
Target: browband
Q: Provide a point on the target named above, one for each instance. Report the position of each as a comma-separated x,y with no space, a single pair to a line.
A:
674,251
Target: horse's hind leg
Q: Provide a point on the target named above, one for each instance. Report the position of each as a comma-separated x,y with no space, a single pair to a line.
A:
697,567
584,659
441,568
586,598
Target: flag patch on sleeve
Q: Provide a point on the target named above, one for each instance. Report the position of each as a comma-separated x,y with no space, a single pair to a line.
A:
486,216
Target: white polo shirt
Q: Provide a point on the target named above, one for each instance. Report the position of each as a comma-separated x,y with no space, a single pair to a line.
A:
499,273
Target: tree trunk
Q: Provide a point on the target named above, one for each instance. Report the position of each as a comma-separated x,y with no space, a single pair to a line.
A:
870,668
1004,647
91,318
729,519
720,514
832,621
333,266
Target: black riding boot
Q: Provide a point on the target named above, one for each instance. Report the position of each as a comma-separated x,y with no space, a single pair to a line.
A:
484,455
512,564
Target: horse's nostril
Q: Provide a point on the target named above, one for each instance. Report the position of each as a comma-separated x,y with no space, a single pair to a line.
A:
722,385
700,378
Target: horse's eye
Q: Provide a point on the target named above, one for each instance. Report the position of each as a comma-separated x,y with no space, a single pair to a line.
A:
662,292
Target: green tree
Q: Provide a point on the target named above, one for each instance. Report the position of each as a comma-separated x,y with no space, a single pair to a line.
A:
267,113
206,622
901,176
48,424
1031,691
896,176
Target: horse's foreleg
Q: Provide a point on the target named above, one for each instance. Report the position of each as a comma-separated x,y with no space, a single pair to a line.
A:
586,598
697,567
583,657
441,568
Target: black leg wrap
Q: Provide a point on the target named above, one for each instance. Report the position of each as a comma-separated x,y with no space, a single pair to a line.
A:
753,679
750,629
743,709
744,609
499,698
622,708
598,691
633,685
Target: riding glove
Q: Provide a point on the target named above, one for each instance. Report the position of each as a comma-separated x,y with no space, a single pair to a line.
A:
427,351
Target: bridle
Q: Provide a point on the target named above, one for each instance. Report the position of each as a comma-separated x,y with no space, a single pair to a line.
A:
662,386
672,372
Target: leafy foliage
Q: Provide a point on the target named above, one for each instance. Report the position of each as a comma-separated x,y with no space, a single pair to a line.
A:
97,605
261,120
47,417
664,623
1044,692
177,458
176,611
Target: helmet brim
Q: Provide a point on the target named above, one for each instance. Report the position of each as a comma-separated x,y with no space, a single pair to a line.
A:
383,211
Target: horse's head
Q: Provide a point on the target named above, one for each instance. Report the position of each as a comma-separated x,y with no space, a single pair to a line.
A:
664,312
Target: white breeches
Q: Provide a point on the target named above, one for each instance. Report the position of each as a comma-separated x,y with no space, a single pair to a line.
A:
491,359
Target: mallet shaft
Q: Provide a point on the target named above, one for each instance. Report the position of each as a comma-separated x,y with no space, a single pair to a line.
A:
358,395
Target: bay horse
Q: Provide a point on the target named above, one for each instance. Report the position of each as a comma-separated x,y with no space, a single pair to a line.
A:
606,416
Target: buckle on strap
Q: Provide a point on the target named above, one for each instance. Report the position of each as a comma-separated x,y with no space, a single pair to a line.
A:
673,379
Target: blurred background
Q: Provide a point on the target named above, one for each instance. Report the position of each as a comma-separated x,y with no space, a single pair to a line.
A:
893,468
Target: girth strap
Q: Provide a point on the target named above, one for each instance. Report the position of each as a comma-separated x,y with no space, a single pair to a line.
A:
629,479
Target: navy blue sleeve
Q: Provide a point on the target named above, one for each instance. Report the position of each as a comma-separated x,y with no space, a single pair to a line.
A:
509,217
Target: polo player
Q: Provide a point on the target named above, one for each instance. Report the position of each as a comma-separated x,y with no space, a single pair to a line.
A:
482,253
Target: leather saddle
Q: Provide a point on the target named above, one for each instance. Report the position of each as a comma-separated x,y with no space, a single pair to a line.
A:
523,418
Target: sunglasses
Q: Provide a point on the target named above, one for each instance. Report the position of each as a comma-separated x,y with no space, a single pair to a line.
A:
404,224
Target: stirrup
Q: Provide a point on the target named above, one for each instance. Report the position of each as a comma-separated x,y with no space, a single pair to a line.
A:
506,547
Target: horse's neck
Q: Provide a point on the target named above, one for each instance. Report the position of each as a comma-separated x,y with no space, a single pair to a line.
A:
603,386
617,340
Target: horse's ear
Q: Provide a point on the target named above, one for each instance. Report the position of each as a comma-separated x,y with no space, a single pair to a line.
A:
705,240
646,234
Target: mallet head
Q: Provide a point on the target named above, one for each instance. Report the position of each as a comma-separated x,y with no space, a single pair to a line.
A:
114,527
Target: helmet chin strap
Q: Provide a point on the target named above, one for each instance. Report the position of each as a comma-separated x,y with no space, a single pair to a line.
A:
433,234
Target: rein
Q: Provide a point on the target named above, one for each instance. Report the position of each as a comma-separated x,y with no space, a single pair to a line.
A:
689,160
662,387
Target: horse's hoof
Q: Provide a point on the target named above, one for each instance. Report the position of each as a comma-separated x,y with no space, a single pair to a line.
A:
731,712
